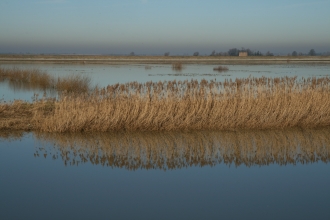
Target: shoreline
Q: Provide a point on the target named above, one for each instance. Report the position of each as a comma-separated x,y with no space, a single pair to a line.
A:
113,60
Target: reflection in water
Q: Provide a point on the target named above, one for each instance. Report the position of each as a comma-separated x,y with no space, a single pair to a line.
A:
11,135
173,150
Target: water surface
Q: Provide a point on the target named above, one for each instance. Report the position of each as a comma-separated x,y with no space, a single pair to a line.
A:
281,174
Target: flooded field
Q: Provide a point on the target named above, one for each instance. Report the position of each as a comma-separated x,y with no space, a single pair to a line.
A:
278,174
104,75
205,174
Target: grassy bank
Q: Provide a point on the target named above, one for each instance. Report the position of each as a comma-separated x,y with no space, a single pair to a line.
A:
250,103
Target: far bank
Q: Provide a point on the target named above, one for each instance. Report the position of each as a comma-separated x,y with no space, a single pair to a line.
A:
107,59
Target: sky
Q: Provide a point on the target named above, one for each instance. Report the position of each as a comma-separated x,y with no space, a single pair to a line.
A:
152,27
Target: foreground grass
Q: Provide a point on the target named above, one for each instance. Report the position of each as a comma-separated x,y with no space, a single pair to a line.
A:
251,103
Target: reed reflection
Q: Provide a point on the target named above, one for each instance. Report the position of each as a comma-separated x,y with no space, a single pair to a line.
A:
174,150
11,135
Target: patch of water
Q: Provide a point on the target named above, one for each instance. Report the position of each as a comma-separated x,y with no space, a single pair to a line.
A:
36,184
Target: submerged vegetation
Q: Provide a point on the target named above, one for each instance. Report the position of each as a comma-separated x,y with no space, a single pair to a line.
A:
248,103
220,68
177,66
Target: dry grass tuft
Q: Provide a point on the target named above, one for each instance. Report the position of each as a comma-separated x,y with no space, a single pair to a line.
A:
73,83
250,103
221,68
177,66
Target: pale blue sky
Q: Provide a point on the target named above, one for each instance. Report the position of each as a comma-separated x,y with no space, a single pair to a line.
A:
158,26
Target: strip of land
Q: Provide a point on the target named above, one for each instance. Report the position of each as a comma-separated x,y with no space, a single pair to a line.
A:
103,59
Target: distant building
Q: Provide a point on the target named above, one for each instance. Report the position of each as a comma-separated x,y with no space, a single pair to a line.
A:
242,54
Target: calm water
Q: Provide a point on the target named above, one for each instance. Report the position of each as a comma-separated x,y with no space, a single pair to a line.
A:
281,174
103,75
171,175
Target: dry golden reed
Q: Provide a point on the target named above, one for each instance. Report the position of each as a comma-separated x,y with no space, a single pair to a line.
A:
250,103
174,150
37,79
30,78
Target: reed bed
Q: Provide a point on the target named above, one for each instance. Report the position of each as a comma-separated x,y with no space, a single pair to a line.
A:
248,103
175,150
37,79
34,78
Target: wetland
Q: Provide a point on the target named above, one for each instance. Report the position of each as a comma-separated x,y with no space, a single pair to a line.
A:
73,155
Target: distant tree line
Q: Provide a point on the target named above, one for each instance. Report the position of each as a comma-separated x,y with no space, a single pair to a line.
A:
235,52
310,53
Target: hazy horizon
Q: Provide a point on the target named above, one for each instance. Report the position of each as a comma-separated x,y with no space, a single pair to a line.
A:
155,27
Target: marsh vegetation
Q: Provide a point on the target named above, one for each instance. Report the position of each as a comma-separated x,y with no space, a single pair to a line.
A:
245,103
177,66
221,68
207,159
37,79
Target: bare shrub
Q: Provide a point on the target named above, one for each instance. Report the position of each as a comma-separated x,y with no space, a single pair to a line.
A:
312,52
